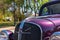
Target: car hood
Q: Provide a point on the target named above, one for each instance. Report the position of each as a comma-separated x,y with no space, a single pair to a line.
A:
47,23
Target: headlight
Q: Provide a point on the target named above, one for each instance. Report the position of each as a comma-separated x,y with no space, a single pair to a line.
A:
3,36
55,36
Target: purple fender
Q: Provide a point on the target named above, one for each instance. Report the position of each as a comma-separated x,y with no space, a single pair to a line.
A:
9,34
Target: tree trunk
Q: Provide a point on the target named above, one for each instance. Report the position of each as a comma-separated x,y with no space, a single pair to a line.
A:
3,9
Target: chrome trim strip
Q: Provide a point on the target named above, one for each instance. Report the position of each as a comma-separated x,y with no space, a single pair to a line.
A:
21,26
20,29
39,27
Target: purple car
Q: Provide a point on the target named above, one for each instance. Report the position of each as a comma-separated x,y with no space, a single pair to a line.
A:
46,26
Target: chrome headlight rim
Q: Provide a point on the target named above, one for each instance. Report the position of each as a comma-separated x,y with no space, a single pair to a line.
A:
3,36
55,36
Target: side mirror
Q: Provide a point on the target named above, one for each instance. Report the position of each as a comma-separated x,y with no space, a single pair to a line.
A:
6,35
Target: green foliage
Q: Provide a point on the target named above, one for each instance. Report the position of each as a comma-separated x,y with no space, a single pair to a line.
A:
43,2
19,2
7,1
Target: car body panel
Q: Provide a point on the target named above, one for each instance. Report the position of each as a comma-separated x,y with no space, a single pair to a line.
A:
47,23
56,21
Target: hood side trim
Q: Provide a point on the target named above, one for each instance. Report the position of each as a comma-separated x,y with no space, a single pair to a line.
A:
51,21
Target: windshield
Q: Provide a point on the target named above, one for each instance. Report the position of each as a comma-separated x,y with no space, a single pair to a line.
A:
52,9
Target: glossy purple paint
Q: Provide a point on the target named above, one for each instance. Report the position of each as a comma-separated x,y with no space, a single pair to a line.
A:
47,22
56,21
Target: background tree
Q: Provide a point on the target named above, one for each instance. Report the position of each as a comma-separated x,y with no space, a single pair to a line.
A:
19,14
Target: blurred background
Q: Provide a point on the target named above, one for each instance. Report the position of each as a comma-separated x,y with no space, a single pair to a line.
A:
14,11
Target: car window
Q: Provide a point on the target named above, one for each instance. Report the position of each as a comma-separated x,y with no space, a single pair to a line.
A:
52,9
55,8
31,32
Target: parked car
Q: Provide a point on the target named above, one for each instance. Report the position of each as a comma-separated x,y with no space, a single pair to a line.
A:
45,27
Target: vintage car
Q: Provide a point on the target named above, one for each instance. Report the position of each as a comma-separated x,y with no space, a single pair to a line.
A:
46,26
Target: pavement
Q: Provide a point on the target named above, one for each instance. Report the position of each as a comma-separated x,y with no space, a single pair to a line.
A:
11,28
